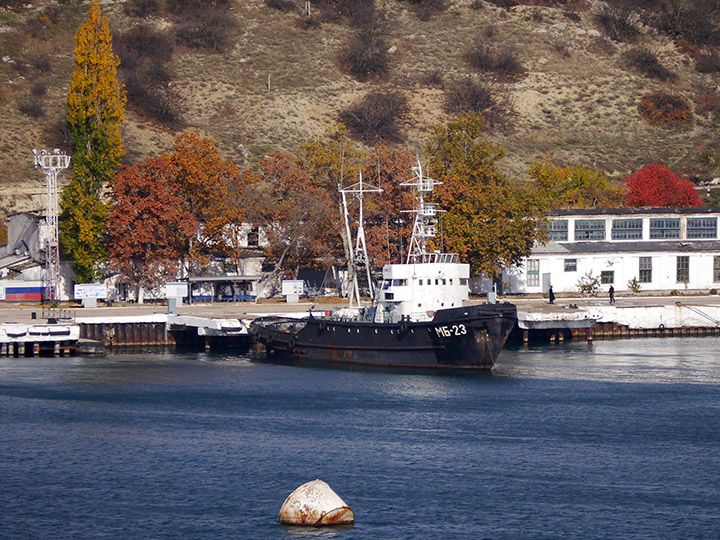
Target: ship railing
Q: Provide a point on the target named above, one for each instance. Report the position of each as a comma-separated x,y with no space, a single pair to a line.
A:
436,258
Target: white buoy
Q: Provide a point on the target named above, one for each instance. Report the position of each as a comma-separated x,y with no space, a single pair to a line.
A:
315,504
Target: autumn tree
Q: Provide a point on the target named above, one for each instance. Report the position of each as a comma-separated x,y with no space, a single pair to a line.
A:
333,162
656,185
298,215
95,110
149,226
574,187
180,208
205,181
490,221
388,226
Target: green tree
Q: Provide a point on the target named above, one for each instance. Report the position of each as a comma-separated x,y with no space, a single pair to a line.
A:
490,221
95,110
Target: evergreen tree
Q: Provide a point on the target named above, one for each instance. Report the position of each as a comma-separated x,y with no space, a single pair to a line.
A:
95,110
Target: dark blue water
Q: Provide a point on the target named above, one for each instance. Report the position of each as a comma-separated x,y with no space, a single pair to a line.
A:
616,440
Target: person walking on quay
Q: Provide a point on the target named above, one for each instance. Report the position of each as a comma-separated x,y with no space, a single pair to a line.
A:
551,294
611,293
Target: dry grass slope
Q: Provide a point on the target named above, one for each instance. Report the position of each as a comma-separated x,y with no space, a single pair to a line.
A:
279,83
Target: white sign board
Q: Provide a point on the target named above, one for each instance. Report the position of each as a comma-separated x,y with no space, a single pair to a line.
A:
90,290
176,289
292,286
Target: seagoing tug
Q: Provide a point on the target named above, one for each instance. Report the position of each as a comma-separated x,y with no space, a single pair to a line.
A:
417,319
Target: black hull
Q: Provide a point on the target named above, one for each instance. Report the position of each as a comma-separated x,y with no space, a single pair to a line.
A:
466,338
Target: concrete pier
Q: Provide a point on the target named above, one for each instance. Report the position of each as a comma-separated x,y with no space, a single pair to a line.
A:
24,339
225,325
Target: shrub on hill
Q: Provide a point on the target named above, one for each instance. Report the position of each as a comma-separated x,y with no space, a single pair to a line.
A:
696,22
144,55
366,53
142,8
618,22
207,28
708,63
281,5
664,109
434,78
472,95
425,9
142,44
707,101
375,118
31,105
501,61
469,95
647,63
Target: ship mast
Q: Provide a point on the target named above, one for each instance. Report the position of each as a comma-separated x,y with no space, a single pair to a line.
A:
51,164
425,215
359,255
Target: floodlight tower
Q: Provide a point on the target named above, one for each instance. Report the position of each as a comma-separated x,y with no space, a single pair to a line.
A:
51,164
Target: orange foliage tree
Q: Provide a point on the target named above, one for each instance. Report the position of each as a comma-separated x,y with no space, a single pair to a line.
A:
148,227
656,185
204,181
388,226
181,207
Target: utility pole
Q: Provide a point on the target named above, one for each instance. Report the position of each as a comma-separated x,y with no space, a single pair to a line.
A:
51,164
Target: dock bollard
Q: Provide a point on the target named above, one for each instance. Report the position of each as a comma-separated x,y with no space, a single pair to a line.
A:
315,504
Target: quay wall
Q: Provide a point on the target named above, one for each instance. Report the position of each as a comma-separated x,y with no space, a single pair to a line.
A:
225,327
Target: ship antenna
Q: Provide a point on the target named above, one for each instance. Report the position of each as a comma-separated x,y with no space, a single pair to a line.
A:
425,215
359,255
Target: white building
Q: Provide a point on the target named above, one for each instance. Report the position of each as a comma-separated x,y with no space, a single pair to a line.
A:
664,249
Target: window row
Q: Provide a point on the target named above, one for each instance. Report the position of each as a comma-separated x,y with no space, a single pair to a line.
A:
632,229
645,270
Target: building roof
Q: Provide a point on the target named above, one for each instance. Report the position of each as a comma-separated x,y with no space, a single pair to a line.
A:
201,279
645,246
563,212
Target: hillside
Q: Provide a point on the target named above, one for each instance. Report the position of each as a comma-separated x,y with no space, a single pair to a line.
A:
576,98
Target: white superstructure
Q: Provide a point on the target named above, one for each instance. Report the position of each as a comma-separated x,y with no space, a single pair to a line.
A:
428,281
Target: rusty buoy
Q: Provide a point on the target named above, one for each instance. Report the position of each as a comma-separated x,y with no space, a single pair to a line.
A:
315,504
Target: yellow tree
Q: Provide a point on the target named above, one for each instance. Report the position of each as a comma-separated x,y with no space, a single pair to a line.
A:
333,162
575,187
95,110
490,221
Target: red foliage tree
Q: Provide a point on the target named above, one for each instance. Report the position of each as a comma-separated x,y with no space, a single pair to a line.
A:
148,226
656,185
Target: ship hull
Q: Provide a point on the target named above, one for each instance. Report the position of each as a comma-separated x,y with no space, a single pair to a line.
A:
465,338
